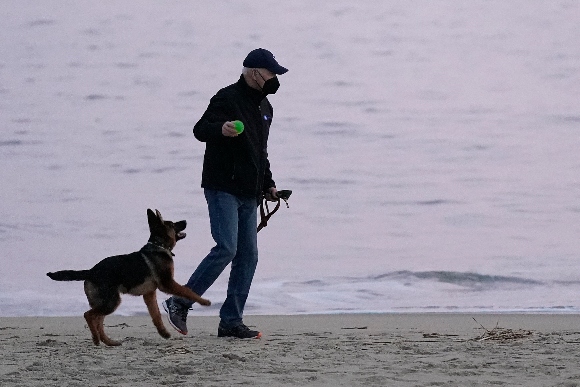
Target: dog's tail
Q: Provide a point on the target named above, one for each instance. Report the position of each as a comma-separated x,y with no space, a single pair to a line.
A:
70,275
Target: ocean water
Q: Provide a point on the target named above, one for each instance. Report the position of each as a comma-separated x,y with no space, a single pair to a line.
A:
432,147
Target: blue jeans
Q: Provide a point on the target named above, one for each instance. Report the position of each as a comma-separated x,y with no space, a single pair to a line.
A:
233,222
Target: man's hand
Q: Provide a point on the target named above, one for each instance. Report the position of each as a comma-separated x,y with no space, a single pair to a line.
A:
229,130
271,195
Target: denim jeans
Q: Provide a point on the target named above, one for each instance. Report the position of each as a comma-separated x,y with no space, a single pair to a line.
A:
233,222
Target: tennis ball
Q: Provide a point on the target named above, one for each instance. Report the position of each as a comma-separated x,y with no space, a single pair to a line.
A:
239,126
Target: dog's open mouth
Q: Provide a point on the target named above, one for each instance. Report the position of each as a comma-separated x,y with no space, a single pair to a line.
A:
179,227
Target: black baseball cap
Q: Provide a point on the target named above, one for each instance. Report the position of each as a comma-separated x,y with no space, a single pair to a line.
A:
260,58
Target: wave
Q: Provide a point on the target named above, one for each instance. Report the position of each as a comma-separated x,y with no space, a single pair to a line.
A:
467,279
470,280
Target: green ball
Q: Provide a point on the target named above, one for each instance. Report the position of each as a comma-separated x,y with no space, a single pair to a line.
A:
239,126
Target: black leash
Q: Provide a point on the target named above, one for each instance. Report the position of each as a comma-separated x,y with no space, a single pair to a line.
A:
265,213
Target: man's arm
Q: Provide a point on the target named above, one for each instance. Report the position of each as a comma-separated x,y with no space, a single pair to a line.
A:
213,124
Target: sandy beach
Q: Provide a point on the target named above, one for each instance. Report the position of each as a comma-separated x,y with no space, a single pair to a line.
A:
319,350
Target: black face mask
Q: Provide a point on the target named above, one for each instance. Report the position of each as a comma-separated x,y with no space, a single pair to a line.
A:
271,85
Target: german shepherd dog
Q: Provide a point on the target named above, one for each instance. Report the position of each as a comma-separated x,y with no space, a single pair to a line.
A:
140,273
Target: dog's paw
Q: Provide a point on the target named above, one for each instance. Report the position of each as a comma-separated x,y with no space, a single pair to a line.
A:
164,333
204,302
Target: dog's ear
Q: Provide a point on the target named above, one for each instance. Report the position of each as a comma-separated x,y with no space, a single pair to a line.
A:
159,215
153,219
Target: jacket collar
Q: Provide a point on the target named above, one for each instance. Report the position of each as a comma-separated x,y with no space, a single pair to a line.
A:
255,95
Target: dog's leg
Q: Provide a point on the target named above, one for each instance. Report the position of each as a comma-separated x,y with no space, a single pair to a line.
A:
104,338
176,289
151,302
104,300
91,318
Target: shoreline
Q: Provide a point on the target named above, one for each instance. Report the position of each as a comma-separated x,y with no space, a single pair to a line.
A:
414,349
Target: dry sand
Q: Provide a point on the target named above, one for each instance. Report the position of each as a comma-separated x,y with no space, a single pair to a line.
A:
319,350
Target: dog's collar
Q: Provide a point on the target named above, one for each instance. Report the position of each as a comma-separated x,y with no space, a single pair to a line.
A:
162,248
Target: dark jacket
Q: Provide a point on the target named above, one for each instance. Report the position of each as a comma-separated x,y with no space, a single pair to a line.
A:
237,165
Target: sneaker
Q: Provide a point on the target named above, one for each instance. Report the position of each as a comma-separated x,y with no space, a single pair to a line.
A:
176,314
239,331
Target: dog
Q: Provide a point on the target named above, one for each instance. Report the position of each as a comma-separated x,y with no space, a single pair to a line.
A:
140,274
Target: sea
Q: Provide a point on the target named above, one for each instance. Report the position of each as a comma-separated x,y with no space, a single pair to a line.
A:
432,147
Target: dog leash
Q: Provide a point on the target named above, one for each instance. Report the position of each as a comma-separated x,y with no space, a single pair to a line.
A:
265,213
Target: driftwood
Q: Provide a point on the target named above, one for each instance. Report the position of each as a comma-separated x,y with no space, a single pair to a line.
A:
501,334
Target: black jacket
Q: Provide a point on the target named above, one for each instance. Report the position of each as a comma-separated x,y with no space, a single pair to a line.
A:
237,165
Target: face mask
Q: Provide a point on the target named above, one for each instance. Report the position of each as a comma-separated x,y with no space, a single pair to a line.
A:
271,85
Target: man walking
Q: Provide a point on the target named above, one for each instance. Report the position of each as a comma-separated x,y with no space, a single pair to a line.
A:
236,173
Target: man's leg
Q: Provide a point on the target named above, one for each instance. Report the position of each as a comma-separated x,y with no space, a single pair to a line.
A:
223,216
243,266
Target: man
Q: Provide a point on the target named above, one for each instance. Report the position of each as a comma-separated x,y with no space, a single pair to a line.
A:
236,173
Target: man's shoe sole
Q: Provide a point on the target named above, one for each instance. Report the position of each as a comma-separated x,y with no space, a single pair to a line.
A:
164,304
